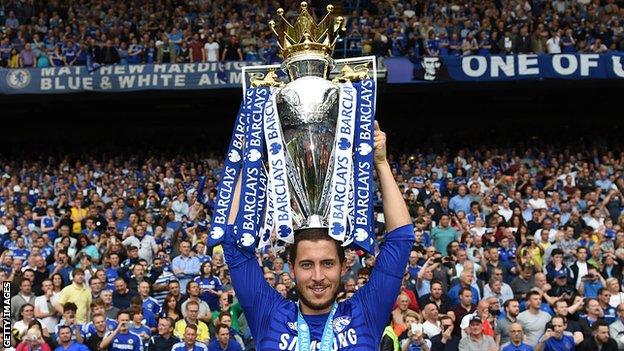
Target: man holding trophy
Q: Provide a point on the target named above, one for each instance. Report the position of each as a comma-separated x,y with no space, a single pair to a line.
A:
321,145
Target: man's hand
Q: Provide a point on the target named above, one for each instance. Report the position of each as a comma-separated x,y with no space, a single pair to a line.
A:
380,145
549,334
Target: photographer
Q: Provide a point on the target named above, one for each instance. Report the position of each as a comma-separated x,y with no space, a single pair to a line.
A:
416,338
556,338
121,338
591,283
445,341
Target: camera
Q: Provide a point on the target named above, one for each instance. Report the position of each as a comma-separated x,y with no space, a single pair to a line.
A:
437,260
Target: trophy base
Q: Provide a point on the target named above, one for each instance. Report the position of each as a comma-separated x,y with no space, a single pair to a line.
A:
314,221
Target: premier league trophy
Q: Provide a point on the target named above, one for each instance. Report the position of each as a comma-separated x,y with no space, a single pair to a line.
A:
302,143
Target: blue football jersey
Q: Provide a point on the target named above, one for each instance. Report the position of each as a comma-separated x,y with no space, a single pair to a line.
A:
358,323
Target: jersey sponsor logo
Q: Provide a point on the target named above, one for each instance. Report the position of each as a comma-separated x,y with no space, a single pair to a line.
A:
292,325
117,345
343,340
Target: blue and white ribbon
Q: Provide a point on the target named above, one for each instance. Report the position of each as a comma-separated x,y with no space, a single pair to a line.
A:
268,225
362,225
343,163
303,332
231,171
280,193
253,186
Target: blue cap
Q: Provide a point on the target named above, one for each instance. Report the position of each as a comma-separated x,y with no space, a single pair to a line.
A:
561,274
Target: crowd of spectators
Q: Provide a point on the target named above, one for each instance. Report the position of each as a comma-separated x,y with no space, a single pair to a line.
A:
520,246
38,33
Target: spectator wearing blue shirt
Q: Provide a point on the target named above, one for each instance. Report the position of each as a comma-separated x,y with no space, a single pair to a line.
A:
185,267
460,202
20,251
149,303
516,335
556,338
604,296
121,339
138,327
465,281
66,343
591,283
210,285
122,295
190,341
98,307
223,342
61,266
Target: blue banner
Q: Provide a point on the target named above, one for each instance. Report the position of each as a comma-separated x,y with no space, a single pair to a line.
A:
122,78
506,68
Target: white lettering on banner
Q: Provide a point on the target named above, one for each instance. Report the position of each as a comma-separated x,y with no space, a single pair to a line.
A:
504,64
524,61
571,64
251,194
225,193
61,71
66,83
340,188
588,61
363,179
617,66
496,65
476,72
341,184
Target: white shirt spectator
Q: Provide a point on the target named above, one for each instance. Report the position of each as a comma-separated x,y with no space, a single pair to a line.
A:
506,213
537,204
212,51
431,329
147,246
551,235
41,304
180,208
554,45
506,293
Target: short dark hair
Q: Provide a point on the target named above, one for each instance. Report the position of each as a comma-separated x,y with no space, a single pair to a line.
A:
506,303
64,327
462,290
599,323
563,319
221,326
531,293
123,312
70,306
314,235
168,319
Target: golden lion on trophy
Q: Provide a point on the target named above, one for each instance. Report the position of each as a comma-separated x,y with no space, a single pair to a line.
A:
348,74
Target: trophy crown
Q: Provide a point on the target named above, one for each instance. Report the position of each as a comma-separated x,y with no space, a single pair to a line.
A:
305,36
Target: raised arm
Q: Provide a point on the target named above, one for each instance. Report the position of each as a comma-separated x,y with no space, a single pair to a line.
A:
394,208
254,294
379,294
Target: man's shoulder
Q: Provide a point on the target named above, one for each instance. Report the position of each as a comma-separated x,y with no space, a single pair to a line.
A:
179,345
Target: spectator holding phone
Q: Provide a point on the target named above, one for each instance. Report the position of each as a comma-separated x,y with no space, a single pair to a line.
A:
556,338
121,338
